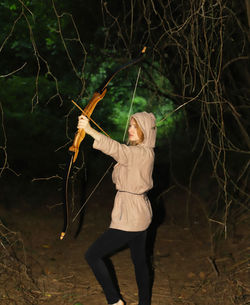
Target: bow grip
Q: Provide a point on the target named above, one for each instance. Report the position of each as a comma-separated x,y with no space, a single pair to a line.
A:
79,136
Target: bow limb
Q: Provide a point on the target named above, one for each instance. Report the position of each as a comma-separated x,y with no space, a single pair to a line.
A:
120,68
66,205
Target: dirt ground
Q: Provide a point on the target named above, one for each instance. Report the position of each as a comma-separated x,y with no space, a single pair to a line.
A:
37,268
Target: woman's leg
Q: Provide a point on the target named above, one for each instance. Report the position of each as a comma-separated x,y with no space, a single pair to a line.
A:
106,244
138,254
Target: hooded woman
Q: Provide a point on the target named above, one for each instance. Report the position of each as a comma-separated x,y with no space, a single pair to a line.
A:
132,213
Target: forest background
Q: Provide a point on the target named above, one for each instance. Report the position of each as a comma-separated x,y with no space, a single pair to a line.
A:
194,77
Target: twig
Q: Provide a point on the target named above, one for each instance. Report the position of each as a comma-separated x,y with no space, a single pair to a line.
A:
214,266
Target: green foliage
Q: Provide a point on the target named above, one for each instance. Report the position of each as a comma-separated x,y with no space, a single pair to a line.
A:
23,92
118,103
36,100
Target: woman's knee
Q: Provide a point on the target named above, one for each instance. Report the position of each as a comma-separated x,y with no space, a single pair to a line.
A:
89,256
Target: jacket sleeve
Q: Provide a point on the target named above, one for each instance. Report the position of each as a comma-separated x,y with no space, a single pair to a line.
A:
120,152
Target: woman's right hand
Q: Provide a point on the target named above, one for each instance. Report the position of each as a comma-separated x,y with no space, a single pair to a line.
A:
83,123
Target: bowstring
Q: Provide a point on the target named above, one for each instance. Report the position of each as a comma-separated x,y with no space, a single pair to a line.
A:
92,192
124,135
131,104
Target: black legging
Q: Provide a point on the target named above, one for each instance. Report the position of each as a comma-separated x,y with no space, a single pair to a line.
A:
111,241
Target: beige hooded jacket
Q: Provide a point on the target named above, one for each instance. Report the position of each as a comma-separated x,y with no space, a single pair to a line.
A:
132,176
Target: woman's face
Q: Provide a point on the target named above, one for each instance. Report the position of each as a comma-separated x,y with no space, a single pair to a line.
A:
132,131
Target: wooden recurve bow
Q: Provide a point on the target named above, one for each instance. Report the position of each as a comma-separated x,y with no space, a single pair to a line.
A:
80,134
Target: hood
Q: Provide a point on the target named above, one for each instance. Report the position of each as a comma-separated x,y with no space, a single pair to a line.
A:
147,123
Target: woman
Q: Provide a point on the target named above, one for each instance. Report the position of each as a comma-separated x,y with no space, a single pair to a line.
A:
131,214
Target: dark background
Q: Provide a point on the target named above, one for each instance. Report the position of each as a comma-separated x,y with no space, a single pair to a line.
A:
194,77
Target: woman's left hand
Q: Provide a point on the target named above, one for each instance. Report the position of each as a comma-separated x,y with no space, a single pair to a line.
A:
83,123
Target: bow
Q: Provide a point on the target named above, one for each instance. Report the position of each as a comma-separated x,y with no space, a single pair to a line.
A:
80,134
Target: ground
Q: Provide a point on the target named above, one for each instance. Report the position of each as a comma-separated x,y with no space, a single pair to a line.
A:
37,268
